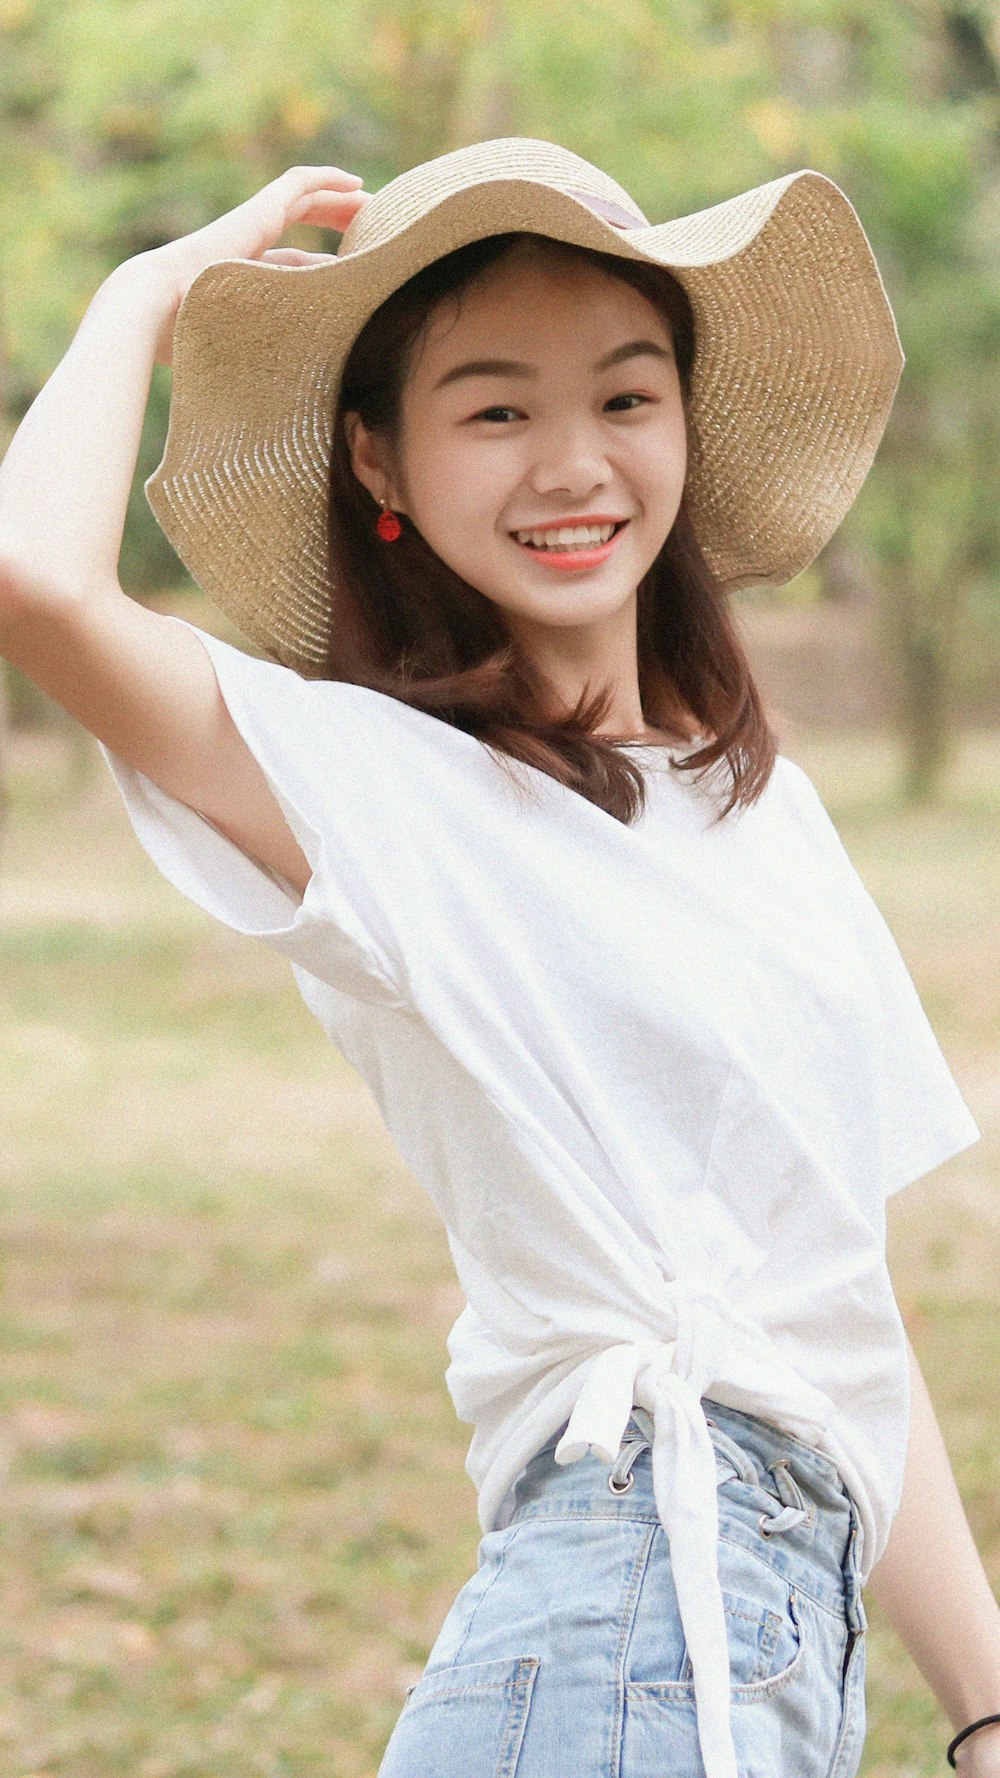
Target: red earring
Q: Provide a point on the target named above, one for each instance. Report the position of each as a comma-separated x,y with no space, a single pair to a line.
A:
388,525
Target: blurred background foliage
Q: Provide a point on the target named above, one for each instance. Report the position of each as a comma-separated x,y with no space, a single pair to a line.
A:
124,123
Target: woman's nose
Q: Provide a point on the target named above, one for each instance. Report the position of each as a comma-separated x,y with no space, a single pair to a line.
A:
572,460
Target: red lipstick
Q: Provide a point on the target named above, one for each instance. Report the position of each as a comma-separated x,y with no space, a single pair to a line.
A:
568,561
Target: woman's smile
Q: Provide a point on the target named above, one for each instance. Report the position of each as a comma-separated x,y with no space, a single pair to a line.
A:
571,548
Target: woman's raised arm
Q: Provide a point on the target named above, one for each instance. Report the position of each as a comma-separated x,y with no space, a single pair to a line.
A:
140,683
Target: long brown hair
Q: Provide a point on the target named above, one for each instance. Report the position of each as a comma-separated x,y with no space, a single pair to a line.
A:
407,625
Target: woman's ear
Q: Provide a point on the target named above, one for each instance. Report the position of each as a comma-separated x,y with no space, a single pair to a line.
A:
368,460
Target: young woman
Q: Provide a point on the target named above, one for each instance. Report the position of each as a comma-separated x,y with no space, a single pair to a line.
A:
505,794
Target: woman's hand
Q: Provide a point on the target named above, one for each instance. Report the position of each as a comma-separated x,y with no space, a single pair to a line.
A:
66,474
326,197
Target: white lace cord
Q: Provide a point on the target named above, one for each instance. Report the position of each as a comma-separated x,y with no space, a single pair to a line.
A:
621,1477
741,1460
668,1378
684,1487
795,1511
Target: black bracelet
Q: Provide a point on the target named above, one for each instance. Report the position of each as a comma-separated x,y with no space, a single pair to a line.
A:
960,1737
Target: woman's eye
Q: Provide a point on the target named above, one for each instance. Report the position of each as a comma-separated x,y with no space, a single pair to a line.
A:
487,413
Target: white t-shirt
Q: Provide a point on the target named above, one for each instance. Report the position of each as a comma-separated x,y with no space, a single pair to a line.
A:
658,1079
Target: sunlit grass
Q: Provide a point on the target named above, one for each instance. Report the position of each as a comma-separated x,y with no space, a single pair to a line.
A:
235,1505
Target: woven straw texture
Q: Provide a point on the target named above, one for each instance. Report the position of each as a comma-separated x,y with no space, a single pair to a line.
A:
796,366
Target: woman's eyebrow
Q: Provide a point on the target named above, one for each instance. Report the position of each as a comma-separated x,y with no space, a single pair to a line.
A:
511,367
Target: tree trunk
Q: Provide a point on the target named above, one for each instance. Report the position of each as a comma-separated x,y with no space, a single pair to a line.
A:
918,628
924,715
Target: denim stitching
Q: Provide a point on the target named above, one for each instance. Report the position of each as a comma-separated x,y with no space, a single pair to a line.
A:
522,1688
433,1692
744,1692
514,1529
629,1609
853,1698
801,1586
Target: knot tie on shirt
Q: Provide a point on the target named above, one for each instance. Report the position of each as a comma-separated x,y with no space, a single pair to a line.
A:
709,1347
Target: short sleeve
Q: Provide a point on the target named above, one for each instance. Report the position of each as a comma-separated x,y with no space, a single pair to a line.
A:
922,1116
313,742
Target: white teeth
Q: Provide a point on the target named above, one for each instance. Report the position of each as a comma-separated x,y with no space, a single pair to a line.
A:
567,537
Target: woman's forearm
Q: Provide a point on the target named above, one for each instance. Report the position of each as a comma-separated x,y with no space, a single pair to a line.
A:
66,475
931,1583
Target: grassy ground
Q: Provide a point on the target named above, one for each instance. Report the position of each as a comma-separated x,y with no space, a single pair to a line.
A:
234,1503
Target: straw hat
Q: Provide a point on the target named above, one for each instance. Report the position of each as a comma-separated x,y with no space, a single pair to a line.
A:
796,364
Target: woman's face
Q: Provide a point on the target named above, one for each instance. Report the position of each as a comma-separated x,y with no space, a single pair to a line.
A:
552,398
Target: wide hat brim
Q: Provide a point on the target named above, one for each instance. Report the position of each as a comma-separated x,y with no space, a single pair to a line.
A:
796,365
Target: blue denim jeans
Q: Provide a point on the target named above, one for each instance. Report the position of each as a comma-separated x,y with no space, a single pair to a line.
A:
563,1655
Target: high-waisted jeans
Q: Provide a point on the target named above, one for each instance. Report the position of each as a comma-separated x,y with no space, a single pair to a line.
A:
563,1655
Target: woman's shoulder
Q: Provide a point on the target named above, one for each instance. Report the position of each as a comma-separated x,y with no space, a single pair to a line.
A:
278,690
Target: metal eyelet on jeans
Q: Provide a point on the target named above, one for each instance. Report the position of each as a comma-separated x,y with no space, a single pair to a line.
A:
765,1525
621,1487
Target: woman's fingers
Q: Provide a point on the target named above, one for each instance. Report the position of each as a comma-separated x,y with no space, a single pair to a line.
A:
306,177
296,256
301,187
326,206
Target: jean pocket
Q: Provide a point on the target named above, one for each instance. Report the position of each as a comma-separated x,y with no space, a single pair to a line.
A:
764,1628
466,1721
766,1646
